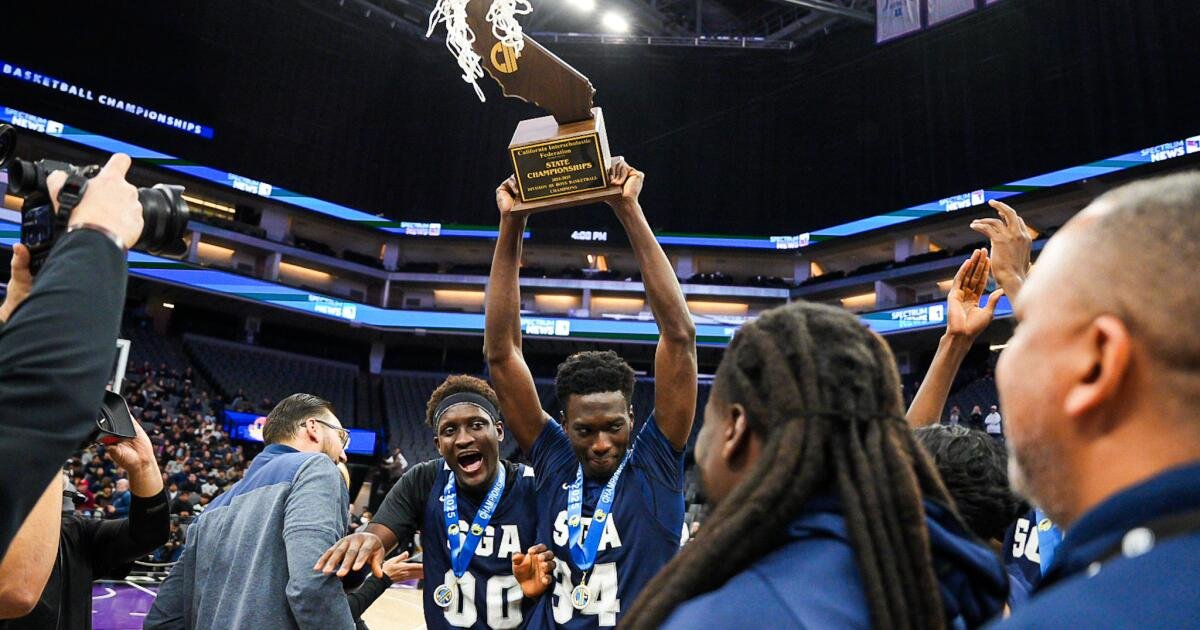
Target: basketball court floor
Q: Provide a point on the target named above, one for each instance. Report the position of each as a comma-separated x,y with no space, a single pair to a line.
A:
123,606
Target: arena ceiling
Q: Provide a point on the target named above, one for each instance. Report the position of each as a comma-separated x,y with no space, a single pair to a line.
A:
770,24
347,101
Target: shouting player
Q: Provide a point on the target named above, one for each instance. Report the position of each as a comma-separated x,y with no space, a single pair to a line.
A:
610,502
475,511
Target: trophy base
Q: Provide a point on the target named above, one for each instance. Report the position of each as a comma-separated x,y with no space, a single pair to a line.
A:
578,199
558,166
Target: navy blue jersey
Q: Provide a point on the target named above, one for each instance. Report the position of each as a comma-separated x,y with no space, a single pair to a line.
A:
488,594
641,536
1029,548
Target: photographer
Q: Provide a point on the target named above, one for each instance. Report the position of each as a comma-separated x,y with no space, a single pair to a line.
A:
87,548
57,347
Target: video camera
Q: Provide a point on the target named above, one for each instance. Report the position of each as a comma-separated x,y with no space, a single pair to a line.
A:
164,211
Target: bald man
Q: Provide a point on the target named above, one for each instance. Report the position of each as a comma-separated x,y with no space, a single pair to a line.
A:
1101,384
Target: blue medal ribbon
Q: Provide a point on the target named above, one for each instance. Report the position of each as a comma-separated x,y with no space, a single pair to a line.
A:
584,555
463,544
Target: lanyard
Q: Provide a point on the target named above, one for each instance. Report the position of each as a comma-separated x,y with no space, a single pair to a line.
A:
584,555
463,544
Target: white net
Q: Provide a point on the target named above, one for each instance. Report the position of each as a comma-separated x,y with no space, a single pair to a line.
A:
505,27
502,15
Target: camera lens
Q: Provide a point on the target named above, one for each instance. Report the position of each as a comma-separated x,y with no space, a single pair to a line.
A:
23,178
165,217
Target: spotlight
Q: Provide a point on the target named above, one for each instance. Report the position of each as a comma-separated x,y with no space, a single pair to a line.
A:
586,6
615,22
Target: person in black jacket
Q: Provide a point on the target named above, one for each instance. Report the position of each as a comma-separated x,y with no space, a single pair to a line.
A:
88,548
57,347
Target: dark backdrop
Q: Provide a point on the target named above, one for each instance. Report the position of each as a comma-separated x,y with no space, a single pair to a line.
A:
733,141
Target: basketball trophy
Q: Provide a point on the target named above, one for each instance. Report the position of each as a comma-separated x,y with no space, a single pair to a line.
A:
559,160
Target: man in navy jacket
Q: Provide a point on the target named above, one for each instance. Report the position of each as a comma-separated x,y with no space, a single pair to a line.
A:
1101,382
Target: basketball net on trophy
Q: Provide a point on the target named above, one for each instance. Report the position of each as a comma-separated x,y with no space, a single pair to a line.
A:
559,160
502,15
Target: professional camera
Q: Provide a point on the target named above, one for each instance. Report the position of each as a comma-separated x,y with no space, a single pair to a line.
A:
164,211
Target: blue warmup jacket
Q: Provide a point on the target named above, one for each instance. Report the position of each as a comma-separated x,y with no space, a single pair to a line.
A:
1107,573
813,581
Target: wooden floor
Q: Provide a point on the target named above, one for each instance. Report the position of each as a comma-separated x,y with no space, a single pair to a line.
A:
396,609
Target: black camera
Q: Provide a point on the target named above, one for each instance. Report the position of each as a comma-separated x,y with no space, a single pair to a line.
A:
164,211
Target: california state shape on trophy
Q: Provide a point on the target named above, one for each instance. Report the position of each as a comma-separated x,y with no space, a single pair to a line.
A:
559,160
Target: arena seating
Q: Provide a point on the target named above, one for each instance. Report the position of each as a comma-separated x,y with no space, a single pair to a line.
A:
981,391
146,346
270,375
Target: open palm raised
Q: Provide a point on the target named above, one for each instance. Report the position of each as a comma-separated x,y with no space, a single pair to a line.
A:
964,316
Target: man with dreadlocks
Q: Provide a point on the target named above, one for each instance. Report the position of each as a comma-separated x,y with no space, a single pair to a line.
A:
825,513
610,503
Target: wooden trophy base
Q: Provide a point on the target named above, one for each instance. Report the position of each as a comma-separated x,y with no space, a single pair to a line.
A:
559,166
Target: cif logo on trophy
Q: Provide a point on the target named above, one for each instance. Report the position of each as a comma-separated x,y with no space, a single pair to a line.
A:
503,58
559,160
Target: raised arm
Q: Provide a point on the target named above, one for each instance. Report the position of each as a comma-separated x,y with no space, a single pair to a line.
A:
519,404
149,523
675,357
965,320
1011,246
56,350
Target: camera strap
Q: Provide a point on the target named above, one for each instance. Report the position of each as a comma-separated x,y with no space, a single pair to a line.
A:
71,193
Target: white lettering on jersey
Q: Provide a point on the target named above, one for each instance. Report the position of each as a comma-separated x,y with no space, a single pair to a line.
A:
485,548
510,540
610,539
1025,541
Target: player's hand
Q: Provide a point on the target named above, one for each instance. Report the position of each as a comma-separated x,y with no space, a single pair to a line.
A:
630,180
109,201
19,283
534,570
351,553
506,196
964,317
1011,246
398,569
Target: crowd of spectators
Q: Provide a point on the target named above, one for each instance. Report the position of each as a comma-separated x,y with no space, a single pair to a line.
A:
197,458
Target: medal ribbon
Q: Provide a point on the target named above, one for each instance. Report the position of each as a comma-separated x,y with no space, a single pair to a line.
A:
463,544
584,555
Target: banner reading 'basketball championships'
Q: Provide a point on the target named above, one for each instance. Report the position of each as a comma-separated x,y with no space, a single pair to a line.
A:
895,18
